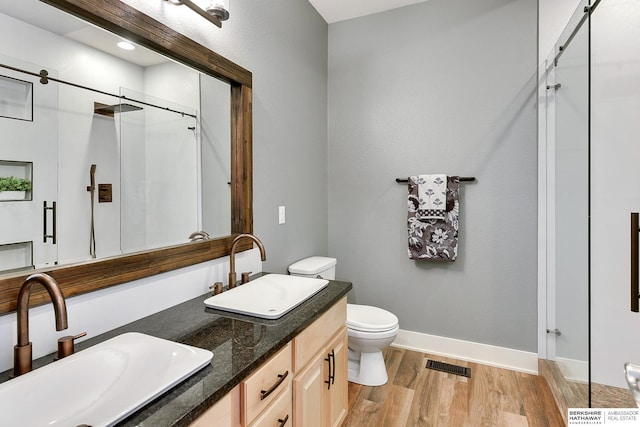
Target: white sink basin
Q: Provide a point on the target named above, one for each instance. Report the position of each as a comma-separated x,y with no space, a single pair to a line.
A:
101,385
267,297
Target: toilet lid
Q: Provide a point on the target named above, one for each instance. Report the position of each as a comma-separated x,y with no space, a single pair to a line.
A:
370,319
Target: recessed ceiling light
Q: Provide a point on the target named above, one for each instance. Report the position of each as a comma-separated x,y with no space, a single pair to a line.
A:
126,45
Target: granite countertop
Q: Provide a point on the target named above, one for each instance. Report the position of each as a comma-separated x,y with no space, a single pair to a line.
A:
240,344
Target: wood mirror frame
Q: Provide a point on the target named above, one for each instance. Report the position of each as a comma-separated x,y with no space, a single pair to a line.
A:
76,279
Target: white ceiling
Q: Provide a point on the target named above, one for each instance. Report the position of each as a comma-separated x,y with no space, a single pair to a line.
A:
44,16
49,18
340,10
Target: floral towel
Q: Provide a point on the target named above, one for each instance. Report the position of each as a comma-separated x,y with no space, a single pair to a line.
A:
434,239
432,196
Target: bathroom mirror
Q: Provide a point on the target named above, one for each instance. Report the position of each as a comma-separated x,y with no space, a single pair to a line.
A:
133,25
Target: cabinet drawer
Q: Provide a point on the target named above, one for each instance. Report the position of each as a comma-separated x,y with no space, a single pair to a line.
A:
264,385
225,413
312,339
279,414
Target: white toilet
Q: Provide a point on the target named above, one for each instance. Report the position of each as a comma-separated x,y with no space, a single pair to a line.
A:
370,329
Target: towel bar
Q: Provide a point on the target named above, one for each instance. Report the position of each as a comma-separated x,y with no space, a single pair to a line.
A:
635,267
462,179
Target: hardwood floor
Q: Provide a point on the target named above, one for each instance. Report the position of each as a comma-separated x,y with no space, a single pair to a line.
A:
567,394
417,396
572,394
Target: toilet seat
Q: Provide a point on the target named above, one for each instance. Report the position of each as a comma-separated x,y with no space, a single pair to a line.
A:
365,318
377,335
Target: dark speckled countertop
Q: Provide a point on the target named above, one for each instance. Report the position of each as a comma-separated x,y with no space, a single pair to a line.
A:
240,344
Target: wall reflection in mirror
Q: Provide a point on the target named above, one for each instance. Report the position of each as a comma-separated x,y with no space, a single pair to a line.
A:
139,170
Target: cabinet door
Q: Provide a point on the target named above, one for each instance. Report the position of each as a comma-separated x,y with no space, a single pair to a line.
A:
225,413
337,394
308,394
314,339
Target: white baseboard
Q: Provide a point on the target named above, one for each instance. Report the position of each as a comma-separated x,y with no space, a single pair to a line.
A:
501,357
574,370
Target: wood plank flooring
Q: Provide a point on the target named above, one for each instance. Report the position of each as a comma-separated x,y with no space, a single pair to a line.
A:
417,396
572,394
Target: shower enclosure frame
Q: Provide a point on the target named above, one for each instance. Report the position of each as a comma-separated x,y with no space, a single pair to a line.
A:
548,89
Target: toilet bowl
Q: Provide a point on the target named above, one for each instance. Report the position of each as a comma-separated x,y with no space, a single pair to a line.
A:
369,329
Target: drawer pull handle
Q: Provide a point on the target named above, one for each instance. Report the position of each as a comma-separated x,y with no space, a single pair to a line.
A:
328,381
332,369
283,421
265,393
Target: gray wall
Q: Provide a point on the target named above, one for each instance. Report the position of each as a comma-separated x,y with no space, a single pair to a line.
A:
284,44
445,86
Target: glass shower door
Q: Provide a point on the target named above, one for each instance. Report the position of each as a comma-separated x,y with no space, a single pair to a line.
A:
159,170
29,124
567,99
593,132
615,193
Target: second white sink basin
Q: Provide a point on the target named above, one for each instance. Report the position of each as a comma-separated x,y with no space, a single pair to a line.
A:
267,297
101,385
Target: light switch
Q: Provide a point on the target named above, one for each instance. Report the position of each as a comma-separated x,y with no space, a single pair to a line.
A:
281,215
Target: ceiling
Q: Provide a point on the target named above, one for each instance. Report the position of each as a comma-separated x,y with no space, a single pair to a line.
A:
42,15
49,18
340,10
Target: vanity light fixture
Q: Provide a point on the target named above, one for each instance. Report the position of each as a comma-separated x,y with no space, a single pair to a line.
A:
215,11
125,45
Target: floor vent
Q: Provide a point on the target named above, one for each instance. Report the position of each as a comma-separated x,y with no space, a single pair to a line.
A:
447,367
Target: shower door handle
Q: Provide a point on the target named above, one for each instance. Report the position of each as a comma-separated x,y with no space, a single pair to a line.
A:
635,271
44,220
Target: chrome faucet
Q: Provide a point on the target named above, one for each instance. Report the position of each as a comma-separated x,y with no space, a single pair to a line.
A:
232,256
22,356
198,235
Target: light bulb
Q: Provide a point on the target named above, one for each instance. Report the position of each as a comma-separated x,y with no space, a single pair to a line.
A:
125,45
218,9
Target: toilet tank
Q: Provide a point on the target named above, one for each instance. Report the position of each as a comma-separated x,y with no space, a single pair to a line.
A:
315,266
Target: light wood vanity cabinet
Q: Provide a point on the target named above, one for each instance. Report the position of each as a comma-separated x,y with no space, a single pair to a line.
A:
262,399
263,387
338,394
320,390
279,413
320,394
304,384
225,413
